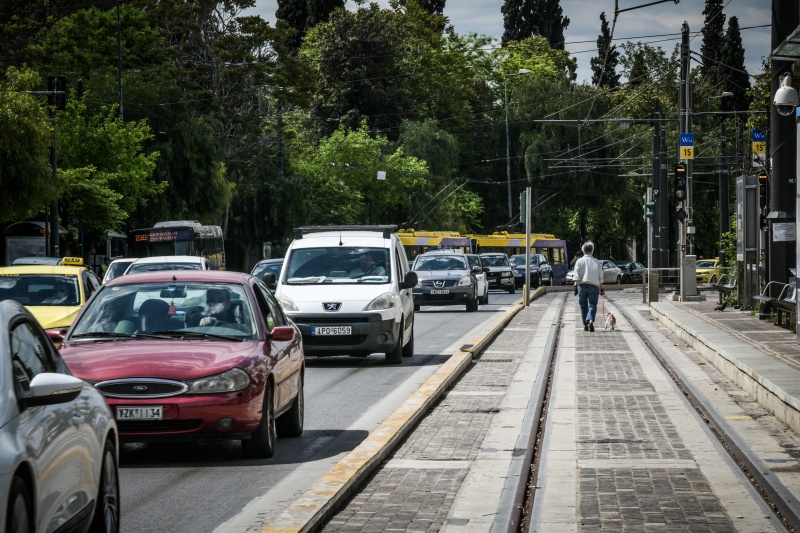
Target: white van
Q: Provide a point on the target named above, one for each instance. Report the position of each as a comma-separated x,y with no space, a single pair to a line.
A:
348,288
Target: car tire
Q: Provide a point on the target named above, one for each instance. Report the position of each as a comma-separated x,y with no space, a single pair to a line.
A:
512,289
626,279
408,349
486,298
619,280
107,508
472,305
416,308
19,515
395,357
290,423
261,444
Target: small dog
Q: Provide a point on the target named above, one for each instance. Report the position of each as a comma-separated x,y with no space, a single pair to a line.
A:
611,321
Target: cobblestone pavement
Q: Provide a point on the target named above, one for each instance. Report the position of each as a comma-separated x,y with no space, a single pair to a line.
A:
415,489
626,454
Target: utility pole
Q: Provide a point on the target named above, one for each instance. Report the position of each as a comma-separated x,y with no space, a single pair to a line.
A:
685,127
724,193
654,237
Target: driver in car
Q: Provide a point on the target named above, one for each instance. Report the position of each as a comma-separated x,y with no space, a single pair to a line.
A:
218,309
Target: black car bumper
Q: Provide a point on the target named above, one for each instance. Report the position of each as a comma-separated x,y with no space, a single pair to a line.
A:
369,333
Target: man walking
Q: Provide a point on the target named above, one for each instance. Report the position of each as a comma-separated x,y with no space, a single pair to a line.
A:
589,284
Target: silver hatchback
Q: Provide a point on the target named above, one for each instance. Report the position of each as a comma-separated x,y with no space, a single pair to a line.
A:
445,278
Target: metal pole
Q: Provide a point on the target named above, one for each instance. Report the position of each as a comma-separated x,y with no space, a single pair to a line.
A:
119,60
649,245
508,148
526,295
651,239
724,194
684,122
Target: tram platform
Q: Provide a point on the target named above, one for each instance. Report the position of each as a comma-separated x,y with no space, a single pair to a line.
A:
457,467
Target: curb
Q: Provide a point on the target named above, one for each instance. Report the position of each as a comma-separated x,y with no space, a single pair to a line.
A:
309,511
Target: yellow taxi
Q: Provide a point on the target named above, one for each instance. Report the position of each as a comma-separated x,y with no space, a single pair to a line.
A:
708,270
52,289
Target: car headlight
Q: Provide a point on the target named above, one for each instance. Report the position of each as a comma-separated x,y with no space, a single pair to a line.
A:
286,303
465,281
384,301
229,381
506,274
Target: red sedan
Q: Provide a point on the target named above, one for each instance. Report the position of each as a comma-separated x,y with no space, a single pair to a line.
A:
192,355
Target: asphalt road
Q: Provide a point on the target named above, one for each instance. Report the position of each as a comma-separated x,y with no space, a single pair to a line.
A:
210,487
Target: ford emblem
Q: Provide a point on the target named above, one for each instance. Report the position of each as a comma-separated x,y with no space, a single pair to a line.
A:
140,388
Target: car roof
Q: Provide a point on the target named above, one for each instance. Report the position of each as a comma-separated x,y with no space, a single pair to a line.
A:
496,253
221,276
446,251
124,260
170,259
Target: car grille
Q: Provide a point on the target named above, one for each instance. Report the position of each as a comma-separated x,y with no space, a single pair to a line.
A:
334,340
330,319
141,388
158,426
447,283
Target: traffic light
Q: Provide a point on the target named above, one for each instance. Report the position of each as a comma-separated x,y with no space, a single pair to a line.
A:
649,208
680,182
762,188
680,214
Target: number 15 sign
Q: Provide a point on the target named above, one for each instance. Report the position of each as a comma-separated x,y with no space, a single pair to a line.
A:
687,146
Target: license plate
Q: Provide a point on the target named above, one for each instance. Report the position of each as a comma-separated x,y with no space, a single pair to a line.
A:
331,330
151,412
440,291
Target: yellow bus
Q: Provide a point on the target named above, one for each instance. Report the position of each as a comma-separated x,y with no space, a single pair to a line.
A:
547,244
418,242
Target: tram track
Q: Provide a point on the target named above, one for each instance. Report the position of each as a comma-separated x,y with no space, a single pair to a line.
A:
774,495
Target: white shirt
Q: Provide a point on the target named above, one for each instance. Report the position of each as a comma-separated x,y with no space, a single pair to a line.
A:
589,270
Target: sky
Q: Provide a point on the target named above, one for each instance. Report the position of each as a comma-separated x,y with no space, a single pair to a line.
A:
484,17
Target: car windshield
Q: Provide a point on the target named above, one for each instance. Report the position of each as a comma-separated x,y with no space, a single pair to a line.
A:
168,308
40,289
155,267
705,264
261,269
519,260
440,262
116,269
494,260
337,265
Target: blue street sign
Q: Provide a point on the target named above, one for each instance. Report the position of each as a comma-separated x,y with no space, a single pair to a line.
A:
759,136
687,139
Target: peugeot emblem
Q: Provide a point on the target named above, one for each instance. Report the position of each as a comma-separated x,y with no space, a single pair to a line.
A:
438,284
140,388
331,306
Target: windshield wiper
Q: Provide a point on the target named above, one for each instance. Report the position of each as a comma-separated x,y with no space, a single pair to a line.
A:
198,334
115,335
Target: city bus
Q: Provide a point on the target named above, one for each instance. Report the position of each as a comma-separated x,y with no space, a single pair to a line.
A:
553,248
418,242
179,237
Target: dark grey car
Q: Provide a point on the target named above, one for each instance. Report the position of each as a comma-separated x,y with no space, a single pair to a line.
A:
499,273
445,278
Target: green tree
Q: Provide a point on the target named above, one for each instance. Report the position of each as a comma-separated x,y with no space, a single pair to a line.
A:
434,7
342,179
604,66
713,38
734,72
526,18
25,140
293,13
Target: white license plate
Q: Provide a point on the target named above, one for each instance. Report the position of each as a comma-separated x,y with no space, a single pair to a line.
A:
440,291
151,412
331,330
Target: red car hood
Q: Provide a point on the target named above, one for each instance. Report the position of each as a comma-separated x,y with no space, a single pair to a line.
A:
175,359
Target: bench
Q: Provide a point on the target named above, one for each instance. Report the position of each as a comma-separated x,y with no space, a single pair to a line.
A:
786,304
726,284
768,303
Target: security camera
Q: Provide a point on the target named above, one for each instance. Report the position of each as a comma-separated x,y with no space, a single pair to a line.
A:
786,99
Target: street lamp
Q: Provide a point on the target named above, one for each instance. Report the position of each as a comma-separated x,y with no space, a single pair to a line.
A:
508,137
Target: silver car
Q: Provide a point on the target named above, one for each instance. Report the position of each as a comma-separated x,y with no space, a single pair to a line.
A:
445,277
58,461
611,273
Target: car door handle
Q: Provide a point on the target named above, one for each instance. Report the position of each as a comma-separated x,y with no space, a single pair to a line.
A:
77,419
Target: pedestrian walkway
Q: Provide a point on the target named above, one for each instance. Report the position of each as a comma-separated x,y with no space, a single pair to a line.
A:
453,473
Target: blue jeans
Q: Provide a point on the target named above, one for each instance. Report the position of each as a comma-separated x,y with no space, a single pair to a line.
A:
587,299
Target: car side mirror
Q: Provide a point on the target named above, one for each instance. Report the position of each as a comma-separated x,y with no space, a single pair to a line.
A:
410,281
57,335
269,279
282,333
476,269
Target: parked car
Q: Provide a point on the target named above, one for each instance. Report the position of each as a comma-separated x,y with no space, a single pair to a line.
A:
708,270
272,266
54,293
541,272
498,272
169,262
482,277
117,268
59,457
192,355
445,278
632,271
611,273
